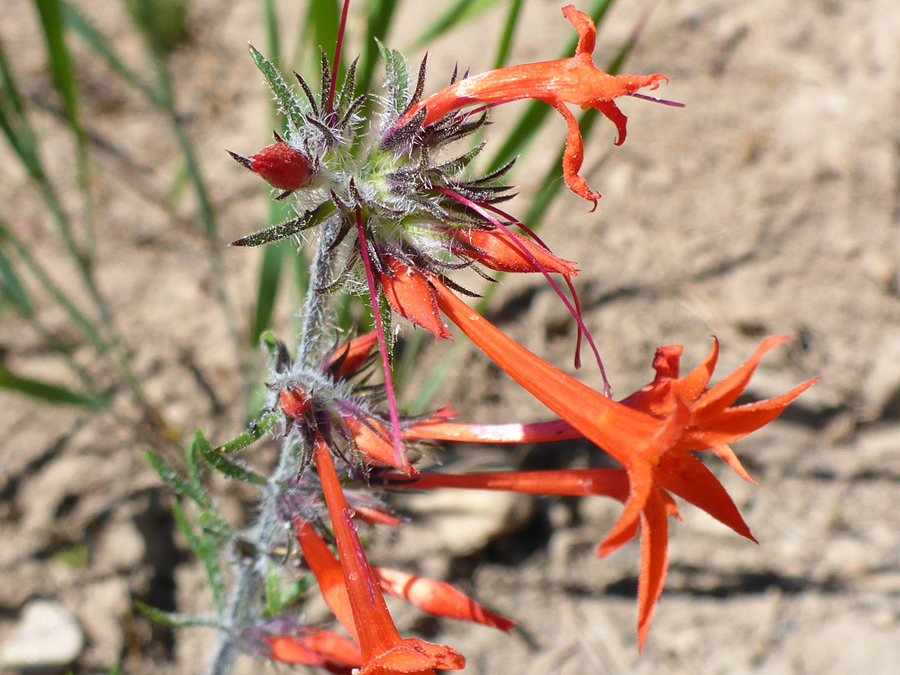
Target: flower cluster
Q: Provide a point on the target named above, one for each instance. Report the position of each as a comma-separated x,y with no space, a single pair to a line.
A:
394,219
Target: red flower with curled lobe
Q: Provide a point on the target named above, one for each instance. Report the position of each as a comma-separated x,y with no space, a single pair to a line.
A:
571,80
652,433
653,430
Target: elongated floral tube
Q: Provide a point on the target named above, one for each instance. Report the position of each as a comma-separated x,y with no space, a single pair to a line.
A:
572,80
661,422
384,651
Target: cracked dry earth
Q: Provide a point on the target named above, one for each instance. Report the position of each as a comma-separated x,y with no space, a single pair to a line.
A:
767,206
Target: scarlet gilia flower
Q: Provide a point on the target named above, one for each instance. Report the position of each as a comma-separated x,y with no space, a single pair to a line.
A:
650,433
676,473
572,80
358,602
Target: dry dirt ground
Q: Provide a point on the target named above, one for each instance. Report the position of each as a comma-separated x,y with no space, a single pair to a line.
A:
769,205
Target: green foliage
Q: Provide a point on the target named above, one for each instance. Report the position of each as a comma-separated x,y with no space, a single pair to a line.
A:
279,596
48,391
396,78
163,22
174,619
290,106
205,547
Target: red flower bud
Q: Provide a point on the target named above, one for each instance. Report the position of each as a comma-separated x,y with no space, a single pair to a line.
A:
294,402
282,166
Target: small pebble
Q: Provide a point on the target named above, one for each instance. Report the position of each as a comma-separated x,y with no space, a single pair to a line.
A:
45,638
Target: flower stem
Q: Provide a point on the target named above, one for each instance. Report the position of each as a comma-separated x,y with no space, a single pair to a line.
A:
245,605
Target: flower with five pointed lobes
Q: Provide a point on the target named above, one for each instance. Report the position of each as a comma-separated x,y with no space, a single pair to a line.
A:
572,80
676,473
657,426
384,652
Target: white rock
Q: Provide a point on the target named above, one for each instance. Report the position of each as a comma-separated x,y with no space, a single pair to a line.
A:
46,637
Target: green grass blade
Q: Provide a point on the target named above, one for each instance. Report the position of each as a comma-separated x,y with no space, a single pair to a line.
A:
458,13
270,273
212,523
174,480
51,15
95,40
53,24
48,392
12,287
289,105
435,378
380,15
270,19
41,275
175,619
509,30
324,16
230,469
194,451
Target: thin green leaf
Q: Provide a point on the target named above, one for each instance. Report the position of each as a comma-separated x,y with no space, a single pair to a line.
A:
396,77
12,287
380,15
50,286
230,469
194,451
95,40
14,124
270,19
51,14
325,18
290,106
48,391
171,477
256,431
458,13
279,597
433,382
212,523
204,547
273,589
269,278
386,311
175,619
509,30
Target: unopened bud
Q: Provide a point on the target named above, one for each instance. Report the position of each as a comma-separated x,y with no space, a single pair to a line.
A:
282,166
294,402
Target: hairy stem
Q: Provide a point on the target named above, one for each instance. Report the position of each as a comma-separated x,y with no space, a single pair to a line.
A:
246,602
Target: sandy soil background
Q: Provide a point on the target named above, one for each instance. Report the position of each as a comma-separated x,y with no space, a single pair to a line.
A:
769,205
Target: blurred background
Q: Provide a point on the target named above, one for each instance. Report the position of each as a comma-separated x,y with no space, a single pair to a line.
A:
768,205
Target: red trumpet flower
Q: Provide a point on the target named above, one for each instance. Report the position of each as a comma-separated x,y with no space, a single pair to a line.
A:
572,80
384,652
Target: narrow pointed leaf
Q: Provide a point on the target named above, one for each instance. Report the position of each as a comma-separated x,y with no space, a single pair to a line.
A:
204,547
289,105
48,391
